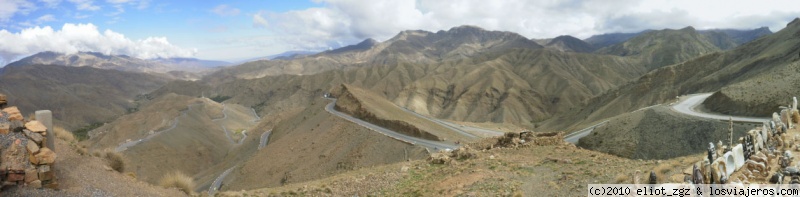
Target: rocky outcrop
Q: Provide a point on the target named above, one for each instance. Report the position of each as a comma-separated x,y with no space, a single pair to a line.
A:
350,104
24,161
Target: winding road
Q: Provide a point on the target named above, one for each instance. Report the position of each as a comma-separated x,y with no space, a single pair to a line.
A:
224,116
577,135
430,144
255,115
218,182
687,105
264,139
128,144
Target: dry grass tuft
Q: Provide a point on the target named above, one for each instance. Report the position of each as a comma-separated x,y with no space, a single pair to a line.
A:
795,117
621,178
63,134
115,160
178,180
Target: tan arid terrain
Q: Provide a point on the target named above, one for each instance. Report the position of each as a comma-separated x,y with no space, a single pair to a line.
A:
486,113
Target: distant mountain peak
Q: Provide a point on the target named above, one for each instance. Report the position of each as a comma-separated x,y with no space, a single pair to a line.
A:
368,42
564,37
571,44
361,46
794,22
466,27
688,28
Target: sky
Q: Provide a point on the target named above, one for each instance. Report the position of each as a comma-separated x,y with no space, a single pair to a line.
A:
243,29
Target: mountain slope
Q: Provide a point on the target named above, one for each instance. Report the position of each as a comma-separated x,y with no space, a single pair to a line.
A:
730,38
660,48
604,40
408,46
179,68
78,96
570,44
749,68
517,86
94,60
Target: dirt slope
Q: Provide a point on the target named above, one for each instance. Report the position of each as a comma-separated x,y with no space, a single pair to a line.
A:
315,144
85,95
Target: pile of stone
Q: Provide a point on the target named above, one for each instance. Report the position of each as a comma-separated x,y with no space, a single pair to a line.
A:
529,138
25,159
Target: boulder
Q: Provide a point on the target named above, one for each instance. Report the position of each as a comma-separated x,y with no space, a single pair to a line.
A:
46,173
439,158
35,184
15,177
36,126
32,147
32,158
46,156
13,113
31,174
36,137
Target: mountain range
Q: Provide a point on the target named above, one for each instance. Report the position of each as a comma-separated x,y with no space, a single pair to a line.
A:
464,75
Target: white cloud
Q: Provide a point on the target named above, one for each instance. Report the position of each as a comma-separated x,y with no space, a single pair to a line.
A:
73,38
45,18
349,21
9,8
85,5
51,3
119,1
225,10
259,21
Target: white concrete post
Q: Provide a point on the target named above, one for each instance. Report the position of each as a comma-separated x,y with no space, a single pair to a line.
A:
46,118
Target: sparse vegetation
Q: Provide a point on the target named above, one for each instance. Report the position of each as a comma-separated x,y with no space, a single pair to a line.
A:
83,132
63,134
115,160
219,98
178,180
621,178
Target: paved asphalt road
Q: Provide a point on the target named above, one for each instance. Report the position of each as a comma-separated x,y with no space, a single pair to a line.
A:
433,146
689,104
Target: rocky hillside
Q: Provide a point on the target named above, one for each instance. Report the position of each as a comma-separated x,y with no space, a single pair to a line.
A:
407,46
524,85
313,144
655,49
748,68
85,95
372,108
176,132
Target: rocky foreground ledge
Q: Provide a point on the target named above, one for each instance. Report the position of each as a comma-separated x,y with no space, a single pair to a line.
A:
24,160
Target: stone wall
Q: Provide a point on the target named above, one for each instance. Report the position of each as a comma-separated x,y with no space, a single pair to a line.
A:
24,160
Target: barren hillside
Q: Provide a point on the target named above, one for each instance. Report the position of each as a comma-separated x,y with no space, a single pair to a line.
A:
84,95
